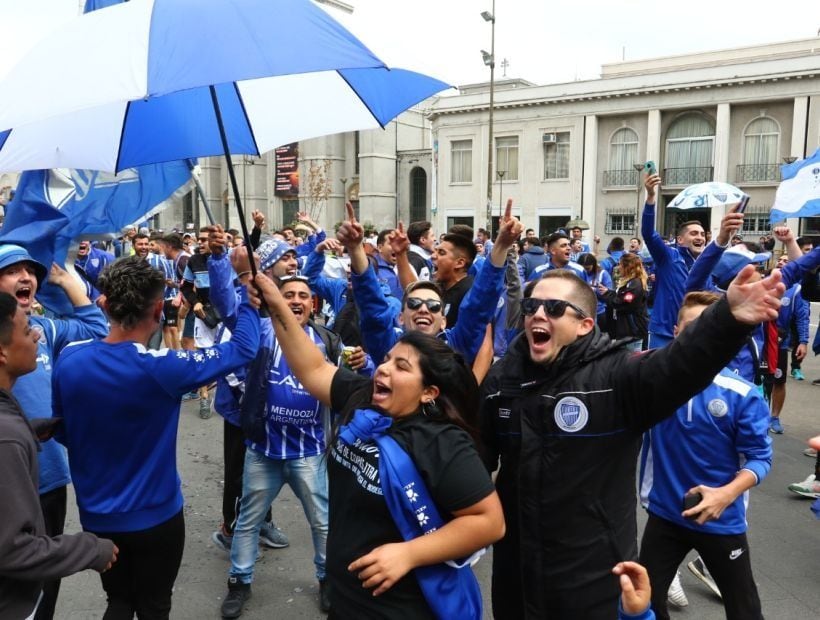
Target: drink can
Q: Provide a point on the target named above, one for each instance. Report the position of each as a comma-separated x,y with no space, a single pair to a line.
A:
346,353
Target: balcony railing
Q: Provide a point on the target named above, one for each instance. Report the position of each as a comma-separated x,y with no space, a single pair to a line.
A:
620,178
758,173
687,176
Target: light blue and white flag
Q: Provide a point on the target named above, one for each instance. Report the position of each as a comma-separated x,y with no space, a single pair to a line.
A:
52,207
799,191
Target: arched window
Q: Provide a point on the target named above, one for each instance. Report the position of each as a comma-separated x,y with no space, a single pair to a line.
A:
418,194
690,145
760,148
623,153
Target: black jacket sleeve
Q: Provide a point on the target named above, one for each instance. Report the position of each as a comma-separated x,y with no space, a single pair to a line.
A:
256,235
651,386
629,298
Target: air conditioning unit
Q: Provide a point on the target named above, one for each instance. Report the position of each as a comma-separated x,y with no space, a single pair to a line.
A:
550,138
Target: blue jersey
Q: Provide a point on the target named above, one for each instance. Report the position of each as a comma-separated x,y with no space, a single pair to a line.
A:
120,404
33,391
548,266
297,424
709,439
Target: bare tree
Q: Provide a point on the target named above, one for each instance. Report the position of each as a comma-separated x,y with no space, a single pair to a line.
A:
318,187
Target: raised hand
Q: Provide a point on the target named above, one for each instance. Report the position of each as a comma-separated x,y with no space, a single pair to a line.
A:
398,240
328,245
217,241
731,221
651,183
258,219
783,234
509,231
304,218
350,233
755,301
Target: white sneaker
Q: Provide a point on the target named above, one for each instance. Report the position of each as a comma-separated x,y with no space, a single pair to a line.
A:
699,570
676,595
810,487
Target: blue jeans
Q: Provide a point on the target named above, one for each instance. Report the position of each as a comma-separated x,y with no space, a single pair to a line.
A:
261,483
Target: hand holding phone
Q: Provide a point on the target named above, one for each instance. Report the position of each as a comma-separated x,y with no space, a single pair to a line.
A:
690,500
649,168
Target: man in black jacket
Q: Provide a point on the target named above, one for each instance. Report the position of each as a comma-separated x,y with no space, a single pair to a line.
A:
564,411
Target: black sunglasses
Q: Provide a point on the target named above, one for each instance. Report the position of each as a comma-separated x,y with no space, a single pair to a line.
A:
433,305
553,308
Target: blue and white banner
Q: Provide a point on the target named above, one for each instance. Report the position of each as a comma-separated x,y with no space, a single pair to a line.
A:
799,191
52,207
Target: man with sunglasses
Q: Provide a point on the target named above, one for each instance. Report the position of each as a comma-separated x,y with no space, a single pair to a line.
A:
564,412
422,306
22,277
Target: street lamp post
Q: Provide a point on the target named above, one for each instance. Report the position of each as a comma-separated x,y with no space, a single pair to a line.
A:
489,60
638,168
500,174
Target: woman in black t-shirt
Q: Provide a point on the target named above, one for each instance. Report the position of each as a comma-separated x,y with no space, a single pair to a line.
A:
431,396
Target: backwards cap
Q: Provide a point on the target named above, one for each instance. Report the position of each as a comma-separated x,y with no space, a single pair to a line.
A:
733,260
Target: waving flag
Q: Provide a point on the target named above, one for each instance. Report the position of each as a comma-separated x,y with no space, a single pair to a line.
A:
52,207
799,191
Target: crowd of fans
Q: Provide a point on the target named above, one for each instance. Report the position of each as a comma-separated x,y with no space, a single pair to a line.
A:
424,397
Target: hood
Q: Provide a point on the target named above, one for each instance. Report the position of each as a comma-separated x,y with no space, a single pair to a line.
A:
537,250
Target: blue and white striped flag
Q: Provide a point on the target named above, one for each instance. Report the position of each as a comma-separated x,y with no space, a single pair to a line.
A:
799,191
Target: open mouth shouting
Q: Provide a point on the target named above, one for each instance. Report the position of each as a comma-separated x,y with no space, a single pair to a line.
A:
24,295
381,392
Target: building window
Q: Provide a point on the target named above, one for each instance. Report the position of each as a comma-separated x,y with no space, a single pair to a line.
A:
760,148
418,195
623,153
464,220
620,222
756,222
289,210
506,157
188,201
689,150
548,224
556,155
461,169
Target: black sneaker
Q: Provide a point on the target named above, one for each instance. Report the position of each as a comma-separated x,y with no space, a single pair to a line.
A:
238,593
324,596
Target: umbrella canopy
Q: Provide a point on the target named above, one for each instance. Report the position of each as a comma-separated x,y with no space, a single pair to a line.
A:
582,224
708,195
280,71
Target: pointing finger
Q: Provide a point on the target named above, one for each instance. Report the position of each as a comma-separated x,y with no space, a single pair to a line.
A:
351,215
508,210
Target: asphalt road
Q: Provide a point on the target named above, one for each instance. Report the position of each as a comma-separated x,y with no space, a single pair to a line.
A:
785,537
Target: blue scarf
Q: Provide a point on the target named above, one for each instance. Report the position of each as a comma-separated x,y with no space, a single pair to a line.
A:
450,588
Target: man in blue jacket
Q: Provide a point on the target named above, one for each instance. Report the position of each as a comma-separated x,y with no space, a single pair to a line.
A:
21,276
422,306
715,446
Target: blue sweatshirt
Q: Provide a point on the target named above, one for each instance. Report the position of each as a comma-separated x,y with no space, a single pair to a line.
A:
793,308
477,309
672,265
33,391
709,439
120,404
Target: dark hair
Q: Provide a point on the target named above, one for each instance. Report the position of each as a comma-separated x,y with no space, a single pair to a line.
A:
616,245
457,401
682,228
582,294
8,308
585,260
555,237
141,236
173,241
483,231
463,244
383,235
233,231
131,287
417,230
420,285
461,229
755,247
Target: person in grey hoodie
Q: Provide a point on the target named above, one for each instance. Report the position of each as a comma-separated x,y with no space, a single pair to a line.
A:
27,556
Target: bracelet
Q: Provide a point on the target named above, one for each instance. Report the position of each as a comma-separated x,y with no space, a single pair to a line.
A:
242,274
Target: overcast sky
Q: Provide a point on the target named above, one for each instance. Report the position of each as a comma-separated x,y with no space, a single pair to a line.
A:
544,41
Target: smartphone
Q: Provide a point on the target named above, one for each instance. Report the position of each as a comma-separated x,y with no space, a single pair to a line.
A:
649,168
690,500
741,208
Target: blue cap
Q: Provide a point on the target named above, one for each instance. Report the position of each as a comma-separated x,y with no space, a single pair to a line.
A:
733,260
11,254
271,251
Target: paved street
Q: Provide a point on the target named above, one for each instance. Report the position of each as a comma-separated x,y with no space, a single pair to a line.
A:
785,538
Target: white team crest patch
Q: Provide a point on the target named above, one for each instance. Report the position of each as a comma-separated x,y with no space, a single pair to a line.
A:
504,414
718,407
571,415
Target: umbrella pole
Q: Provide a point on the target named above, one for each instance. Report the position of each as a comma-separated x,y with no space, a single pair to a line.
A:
243,224
201,193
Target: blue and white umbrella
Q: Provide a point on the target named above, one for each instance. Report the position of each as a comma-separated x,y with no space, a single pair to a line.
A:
707,196
147,77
